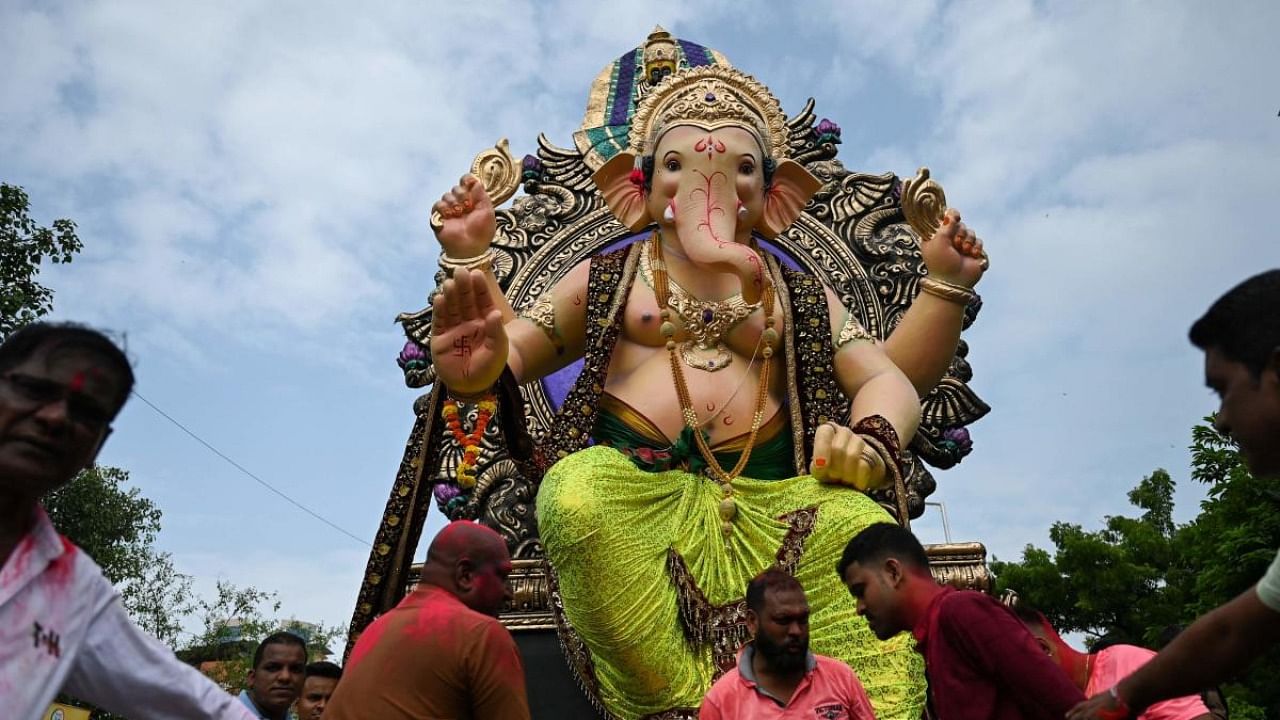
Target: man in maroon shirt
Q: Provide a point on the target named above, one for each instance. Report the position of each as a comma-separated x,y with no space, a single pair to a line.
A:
980,660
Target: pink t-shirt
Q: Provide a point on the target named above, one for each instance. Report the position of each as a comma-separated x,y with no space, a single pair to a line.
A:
1113,664
829,691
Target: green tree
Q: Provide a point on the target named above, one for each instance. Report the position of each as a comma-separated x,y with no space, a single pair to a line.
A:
24,245
1138,576
234,622
1112,581
117,527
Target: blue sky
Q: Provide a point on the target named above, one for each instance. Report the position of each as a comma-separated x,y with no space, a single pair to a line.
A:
252,183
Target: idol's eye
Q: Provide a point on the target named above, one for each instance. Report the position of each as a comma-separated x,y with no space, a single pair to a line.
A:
747,168
673,165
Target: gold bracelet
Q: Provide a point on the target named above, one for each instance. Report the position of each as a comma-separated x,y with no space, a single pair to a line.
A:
950,292
468,398
483,261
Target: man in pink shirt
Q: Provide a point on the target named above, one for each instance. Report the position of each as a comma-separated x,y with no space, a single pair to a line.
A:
777,676
1096,672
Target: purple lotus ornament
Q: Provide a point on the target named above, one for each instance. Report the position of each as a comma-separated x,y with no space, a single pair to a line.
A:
959,438
530,168
412,356
445,492
827,132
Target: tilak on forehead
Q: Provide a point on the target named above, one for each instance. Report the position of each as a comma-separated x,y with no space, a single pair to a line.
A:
711,98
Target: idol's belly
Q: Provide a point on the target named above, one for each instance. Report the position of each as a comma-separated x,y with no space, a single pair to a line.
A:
725,400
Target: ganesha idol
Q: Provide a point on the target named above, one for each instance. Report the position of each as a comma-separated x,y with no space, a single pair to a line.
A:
731,413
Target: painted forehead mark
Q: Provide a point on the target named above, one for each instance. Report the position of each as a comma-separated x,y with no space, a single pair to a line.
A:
709,144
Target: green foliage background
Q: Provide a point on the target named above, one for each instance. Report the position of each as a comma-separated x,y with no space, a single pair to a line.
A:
1137,576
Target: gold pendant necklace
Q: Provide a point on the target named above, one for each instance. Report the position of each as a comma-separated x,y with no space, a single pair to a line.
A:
769,337
705,321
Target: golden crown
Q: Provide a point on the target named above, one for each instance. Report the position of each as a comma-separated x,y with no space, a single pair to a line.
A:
711,96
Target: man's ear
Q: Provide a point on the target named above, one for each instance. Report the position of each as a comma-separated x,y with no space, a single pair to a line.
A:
894,571
753,622
94,457
464,574
1044,644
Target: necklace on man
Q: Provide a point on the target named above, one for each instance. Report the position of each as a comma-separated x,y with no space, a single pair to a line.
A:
705,321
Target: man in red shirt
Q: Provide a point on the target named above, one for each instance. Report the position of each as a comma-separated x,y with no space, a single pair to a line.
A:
777,676
1096,672
980,660
441,653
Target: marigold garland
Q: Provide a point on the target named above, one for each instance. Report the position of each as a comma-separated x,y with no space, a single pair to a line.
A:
470,443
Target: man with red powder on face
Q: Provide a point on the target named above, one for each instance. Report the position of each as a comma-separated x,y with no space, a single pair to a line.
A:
981,662
62,627
441,653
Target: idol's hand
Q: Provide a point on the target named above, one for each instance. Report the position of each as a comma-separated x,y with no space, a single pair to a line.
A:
468,222
841,456
955,253
468,342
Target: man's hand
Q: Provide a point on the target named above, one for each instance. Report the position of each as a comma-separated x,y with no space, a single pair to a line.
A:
468,342
1103,706
955,252
841,456
468,219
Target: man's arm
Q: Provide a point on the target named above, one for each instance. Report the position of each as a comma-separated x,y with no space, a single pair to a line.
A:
497,677
126,671
1002,647
1214,649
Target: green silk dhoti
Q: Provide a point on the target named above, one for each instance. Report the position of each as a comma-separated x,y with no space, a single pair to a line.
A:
626,545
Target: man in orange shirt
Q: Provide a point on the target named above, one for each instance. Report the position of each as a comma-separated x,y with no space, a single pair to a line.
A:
441,653
777,676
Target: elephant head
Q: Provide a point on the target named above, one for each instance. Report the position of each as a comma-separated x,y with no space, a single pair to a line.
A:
712,177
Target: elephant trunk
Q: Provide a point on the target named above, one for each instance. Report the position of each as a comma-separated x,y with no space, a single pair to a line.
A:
706,218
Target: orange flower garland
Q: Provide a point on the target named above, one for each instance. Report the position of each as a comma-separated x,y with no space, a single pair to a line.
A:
470,443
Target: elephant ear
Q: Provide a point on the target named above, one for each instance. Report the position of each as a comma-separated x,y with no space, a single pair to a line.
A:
785,199
624,197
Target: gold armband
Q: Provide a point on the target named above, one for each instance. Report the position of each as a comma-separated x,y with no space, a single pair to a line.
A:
543,314
950,292
851,331
483,261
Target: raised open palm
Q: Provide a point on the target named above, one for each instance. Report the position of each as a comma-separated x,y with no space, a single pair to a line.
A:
468,342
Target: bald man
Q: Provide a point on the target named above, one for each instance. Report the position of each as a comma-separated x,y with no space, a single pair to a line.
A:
441,653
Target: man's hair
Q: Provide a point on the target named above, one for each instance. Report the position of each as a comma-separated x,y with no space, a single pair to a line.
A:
283,637
879,542
324,669
771,579
1030,616
23,343
1244,324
